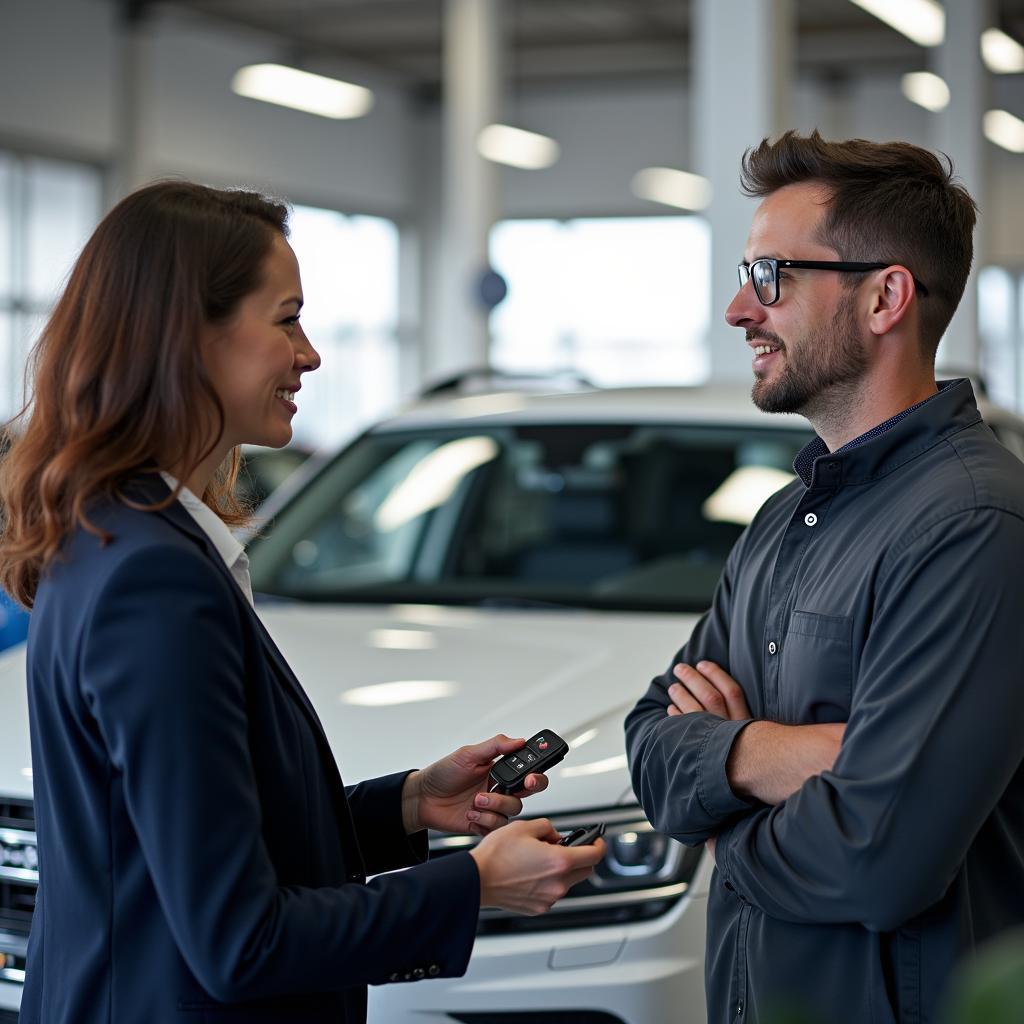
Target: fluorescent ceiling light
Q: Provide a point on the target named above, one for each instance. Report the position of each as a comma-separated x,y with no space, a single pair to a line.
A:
433,480
924,21
1001,54
926,90
1005,130
672,187
743,492
301,90
517,148
406,691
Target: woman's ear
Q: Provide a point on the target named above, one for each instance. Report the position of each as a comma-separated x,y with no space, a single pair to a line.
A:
891,298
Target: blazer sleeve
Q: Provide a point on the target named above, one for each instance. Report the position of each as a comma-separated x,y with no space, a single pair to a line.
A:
932,743
162,669
678,763
376,807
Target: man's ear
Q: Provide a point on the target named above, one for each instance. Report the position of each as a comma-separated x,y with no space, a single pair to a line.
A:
891,296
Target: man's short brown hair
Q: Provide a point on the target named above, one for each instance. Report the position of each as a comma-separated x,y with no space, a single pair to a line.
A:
889,201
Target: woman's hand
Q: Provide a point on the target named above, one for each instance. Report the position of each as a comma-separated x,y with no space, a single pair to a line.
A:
451,794
523,869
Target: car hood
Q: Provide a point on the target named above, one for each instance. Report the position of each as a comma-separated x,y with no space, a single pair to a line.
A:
485,671
399,686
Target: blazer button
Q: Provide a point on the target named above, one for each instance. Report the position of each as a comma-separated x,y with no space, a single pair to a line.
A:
408,976
433,970
394,977
419,974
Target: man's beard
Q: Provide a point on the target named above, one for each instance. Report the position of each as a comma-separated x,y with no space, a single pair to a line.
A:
830,359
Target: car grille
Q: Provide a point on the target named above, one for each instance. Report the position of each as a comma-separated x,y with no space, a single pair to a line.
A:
19,878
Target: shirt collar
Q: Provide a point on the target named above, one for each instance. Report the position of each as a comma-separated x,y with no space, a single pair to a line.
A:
890,444
209,522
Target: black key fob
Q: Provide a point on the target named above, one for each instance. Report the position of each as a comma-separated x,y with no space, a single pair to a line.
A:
583,836
541,752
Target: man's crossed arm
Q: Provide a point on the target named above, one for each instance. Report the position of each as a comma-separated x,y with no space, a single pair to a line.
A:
768,762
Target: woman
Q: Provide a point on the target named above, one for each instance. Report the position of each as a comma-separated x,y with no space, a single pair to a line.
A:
198,851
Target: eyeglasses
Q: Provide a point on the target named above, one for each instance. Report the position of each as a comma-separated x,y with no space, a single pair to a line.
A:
765,274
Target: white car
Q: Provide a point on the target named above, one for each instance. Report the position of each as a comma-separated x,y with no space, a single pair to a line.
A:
503,561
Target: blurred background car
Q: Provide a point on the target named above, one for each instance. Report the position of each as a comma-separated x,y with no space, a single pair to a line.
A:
263,470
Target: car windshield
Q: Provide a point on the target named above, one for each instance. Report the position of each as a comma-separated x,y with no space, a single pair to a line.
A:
619,516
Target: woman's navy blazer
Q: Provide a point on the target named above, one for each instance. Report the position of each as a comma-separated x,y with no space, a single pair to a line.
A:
200,858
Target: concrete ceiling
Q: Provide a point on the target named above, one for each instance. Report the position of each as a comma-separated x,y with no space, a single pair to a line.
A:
557,42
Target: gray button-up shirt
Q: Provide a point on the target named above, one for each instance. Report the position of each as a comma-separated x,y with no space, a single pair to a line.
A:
884,588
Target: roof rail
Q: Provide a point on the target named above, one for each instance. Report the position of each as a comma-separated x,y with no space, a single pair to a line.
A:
486,377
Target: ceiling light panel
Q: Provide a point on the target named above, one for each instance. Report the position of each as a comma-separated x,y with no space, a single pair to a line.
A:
923,21
302,90
514,147
1004,129
926,90
672,187
1002,55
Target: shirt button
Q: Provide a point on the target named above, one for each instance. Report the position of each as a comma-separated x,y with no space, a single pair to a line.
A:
773,647
811,519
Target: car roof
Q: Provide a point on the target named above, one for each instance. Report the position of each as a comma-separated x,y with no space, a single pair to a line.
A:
723,404
708,404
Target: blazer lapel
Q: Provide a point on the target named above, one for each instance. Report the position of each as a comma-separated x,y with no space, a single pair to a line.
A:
150,489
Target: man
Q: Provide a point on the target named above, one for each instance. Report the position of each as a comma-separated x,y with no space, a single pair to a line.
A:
845,726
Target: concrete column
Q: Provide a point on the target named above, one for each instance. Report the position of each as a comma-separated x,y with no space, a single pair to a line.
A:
742,58
957,132
131,72
458,338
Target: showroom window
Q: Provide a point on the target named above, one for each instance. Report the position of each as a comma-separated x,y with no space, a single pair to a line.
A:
349,267
620,301
48,208
1001,328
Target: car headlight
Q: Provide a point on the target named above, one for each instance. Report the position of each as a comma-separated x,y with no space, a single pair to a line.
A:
643,875
637,857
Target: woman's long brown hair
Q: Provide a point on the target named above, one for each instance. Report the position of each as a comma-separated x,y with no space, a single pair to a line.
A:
116,380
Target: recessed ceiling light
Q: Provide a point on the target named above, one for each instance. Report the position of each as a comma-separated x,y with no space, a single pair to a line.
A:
1003,55
302,90
515,147
1002,128
924,21
926,90
672,187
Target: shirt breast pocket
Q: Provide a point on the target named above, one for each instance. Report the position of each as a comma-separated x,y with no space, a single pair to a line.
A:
816,673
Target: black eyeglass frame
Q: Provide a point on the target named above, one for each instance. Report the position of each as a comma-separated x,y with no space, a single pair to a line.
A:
842,266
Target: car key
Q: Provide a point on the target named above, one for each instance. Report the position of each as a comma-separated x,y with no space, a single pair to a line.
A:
583,836
541,752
